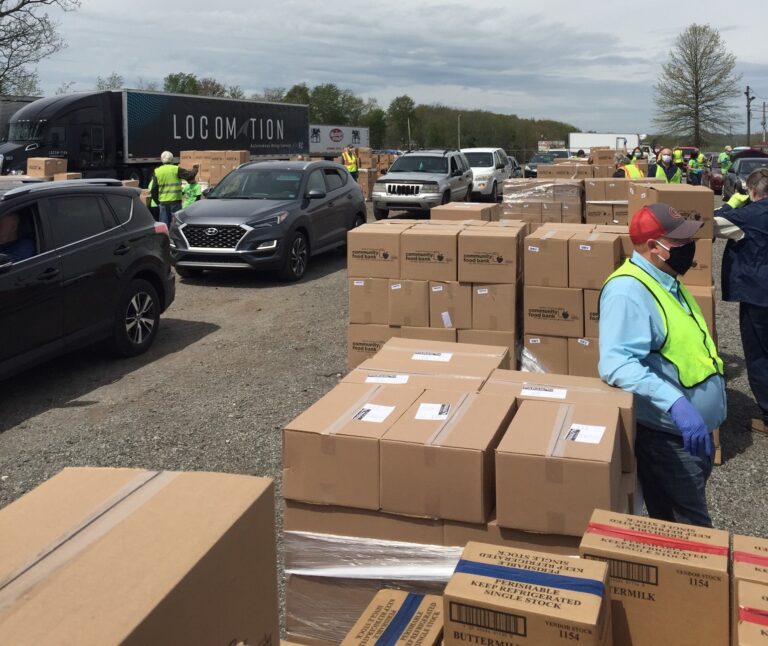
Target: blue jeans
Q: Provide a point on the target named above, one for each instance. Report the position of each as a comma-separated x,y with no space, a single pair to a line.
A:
167,209
753,321
673,481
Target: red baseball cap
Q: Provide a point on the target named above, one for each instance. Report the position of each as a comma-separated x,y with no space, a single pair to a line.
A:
661,221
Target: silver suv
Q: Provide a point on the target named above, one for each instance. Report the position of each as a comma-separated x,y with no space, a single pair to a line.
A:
421,179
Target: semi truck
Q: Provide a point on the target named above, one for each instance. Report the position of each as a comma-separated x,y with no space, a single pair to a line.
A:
121,133
329,141
586,140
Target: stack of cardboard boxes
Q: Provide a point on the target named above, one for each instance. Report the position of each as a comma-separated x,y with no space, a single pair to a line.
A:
440,280
213,165
46,167
607,200
537,201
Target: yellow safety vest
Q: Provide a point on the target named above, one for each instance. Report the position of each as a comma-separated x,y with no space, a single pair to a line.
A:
632,171
350,161
677,156
168,183
687,344
676,178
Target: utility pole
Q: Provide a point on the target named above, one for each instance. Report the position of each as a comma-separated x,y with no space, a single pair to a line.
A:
763,122
750,98
459,135
409,134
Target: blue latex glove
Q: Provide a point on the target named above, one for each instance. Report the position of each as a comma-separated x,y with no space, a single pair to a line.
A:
696,437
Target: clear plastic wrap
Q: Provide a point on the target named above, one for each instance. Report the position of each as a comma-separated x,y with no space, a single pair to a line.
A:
543,190
331,579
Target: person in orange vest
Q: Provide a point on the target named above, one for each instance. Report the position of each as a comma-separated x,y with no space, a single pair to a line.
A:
349,155
629,168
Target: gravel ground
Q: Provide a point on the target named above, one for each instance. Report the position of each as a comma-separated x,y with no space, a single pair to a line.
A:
237,356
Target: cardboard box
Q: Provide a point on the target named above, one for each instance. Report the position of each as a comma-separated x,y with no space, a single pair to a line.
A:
367,373
131,183
237,157
494,307
591,313
621,230
551,212
428,333
750,574
63,177
437,459
369,300
568,191
130,556
617,189
599,213
364,341
546,258
583,357
499,595
491,337
571,213
373,250
621,214
661,575
701,272
450,305
546,170
45,166
569,389
549,353
407,618
603,171
553,311
556,463
429,253
433,357
705,297
409,303
751,629
466,211
331,450
458,533
594,190
692,202
490,255
592,257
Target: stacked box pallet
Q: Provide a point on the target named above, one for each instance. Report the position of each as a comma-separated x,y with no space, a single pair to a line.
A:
444,280
212,165
366,178
366,159
426,443
607,200
536,201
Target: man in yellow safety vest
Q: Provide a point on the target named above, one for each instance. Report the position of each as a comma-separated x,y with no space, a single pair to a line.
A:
349,156
665,169
166,186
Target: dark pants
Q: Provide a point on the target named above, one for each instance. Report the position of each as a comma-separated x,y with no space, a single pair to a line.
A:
354,175
673,480
694,178
753,320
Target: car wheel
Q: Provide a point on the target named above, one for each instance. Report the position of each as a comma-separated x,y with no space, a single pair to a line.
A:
137,319
494,193
296,258
380,214
189,272
358,221
468,196
446,198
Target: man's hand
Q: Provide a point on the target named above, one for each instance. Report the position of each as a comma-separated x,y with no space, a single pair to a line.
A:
737,200
696,437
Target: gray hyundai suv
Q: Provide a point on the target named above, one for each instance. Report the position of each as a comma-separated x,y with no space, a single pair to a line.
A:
421,179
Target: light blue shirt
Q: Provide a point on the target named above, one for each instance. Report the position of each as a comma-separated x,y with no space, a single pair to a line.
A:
631,335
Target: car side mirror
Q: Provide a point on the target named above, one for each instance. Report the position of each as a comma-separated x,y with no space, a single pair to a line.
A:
6,262
500,167
206,191
315,194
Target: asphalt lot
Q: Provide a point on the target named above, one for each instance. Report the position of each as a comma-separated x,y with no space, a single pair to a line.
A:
239,355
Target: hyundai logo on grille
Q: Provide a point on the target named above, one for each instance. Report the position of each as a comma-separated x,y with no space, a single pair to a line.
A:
211,231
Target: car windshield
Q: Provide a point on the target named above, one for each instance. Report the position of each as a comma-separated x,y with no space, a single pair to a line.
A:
562,154
264,184
542,159
479,160
746,166
420,164
26,131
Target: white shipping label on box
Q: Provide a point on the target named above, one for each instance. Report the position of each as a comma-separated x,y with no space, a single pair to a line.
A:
443,357
482,290
533,249
373,413
386,379
544,391
585,247
396,286
433,412
585,433
446,316
583,341
359,283
437,288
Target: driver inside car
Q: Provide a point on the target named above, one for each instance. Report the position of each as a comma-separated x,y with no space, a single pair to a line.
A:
11,245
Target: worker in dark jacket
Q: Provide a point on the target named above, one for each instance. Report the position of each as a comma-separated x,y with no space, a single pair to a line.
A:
744,221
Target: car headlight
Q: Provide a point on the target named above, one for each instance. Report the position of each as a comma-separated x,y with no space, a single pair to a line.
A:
379,188
430,188
482,177
271,221
267,246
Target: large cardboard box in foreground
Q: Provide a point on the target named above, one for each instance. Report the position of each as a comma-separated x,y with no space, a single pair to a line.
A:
555,464
750,567
368,300
466,211
751,627
373,251
499,595
396,617
669,582
553,311
692,202
128,556
490,255
429,253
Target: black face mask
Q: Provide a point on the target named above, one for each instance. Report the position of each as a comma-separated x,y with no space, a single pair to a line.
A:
680,258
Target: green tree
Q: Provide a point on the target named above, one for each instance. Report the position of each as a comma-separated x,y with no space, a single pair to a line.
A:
696,85
27,36
210,87
181,83
298,94
326,105
271,94
401,110
375,119
235,92
112,82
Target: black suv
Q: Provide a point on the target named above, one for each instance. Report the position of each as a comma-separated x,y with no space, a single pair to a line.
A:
80,261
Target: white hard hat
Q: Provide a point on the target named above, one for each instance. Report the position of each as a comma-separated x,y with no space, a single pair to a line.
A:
166,157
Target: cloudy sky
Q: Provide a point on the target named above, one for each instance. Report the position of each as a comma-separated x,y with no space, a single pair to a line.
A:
589,63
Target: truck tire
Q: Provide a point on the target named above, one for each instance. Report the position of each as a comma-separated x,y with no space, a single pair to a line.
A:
494,193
